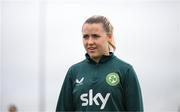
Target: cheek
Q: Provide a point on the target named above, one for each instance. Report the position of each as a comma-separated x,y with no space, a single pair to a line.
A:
103,43
84,42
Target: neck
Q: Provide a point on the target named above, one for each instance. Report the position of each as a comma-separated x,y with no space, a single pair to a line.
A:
97,59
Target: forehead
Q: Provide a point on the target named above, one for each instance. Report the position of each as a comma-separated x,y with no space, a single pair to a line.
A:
92,28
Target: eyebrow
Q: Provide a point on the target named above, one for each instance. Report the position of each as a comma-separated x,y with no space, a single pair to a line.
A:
95,35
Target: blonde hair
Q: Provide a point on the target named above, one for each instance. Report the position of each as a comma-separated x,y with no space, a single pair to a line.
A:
108,28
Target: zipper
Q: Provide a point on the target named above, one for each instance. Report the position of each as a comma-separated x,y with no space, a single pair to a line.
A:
95,75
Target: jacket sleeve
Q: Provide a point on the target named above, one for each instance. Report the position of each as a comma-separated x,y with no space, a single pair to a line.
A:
65,101
133,95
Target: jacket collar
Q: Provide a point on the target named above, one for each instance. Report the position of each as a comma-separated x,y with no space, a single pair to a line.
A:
103,59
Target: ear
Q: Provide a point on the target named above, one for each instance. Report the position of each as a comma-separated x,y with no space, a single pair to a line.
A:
111,41
110,37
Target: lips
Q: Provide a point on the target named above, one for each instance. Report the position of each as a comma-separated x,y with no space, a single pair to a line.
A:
91,49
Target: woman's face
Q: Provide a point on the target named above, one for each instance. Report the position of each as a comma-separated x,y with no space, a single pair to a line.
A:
95,40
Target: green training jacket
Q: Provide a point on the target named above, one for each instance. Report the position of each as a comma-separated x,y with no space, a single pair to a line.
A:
110,85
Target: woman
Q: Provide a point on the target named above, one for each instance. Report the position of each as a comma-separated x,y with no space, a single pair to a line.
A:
101,82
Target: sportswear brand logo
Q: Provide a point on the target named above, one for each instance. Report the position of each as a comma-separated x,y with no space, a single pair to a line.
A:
79,82
93,99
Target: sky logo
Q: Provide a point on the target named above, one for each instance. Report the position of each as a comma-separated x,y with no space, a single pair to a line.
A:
89,99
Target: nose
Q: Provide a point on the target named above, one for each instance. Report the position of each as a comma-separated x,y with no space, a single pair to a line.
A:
90,40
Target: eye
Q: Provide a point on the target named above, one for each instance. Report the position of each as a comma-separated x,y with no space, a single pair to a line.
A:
95,36
85,36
